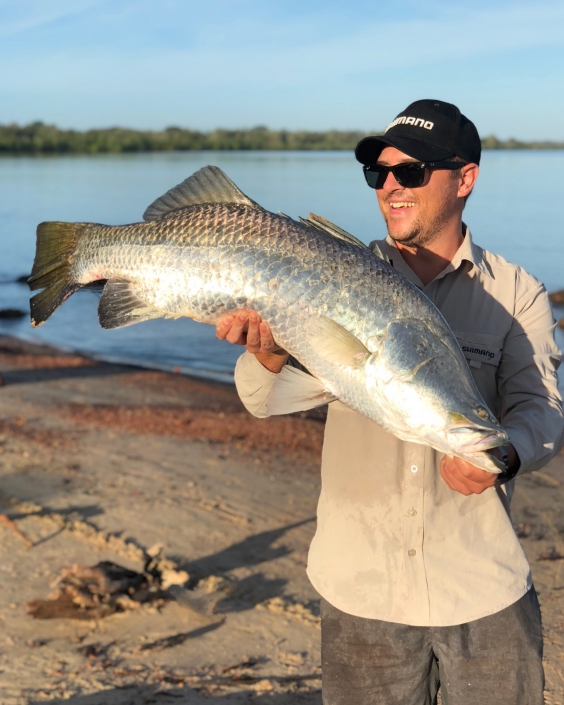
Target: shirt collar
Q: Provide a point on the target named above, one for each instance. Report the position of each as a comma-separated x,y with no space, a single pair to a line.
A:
467,252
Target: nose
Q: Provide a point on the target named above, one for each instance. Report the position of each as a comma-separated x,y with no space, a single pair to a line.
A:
390,184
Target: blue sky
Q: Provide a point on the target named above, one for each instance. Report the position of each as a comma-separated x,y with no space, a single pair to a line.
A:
296,64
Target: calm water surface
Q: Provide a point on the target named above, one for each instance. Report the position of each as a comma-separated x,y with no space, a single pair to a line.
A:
515,210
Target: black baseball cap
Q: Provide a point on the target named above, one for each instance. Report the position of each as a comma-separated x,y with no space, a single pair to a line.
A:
427,130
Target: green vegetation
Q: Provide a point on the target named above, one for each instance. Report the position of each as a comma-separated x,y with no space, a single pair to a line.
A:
38,138
492,142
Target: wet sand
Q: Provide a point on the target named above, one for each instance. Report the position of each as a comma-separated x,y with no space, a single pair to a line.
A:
102,462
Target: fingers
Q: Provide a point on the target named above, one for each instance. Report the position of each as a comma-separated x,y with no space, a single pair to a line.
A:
461,476
246,328
268,344
452,481
259,336
254,333
233,328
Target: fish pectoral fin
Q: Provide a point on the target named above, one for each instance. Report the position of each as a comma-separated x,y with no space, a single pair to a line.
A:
121,306
207,185
336,344
329,228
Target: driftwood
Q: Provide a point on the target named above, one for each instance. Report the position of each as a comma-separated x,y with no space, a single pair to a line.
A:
94,592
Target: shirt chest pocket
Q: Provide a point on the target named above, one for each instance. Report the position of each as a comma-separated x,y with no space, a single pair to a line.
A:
480,348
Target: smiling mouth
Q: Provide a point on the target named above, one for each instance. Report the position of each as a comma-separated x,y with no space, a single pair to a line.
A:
402,204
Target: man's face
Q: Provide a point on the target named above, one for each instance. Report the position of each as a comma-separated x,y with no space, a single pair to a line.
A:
416,216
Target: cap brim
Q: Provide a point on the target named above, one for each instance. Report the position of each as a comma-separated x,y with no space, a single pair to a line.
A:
369,149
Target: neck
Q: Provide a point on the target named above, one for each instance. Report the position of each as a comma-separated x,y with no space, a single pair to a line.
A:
429,260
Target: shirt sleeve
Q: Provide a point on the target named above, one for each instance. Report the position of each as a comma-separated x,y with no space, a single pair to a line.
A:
531,411
265,393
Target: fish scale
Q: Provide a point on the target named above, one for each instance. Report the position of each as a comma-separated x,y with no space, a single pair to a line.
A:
342,312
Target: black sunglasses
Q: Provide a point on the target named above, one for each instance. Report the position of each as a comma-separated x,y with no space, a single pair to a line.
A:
408,174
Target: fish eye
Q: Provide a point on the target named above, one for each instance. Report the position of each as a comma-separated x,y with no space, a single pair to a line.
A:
482,413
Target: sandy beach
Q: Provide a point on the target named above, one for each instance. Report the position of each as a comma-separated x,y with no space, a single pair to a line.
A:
207,511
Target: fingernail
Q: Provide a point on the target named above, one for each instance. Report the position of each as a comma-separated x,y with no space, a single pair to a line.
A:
227,320
242,316
254,319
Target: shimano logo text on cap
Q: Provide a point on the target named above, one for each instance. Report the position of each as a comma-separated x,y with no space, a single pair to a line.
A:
416,122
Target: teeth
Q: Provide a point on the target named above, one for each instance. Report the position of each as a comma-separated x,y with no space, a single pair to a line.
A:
403,204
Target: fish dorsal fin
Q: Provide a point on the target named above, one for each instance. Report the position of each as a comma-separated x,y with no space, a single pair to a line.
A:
208,185
336,344
326,226
374,247
121,306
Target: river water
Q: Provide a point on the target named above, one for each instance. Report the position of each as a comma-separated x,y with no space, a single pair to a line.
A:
515,210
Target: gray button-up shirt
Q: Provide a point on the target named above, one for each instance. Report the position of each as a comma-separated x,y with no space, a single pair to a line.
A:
393,542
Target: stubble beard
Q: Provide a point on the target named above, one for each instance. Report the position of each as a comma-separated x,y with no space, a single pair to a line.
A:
421,233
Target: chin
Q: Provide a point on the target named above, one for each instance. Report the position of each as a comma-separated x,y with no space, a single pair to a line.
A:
404,238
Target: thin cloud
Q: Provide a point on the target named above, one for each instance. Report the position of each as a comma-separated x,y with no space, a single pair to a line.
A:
377,47
17,17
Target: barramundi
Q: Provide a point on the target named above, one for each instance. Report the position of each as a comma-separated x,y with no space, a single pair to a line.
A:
205,250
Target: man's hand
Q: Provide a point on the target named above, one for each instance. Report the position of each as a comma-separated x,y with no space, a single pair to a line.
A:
461,476
247,329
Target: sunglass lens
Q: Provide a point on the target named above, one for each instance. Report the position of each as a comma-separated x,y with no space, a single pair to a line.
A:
410,175
373,178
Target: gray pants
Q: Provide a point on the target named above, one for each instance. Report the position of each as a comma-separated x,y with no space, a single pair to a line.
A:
496,659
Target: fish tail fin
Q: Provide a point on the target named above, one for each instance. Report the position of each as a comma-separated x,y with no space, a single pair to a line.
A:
56,243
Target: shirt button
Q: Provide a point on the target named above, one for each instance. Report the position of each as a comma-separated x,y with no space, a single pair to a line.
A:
413,468
411,552
412,512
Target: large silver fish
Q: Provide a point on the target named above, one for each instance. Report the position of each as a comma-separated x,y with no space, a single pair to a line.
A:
367,334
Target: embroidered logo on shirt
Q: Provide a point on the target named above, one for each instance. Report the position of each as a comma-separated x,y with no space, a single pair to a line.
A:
479,352
486,353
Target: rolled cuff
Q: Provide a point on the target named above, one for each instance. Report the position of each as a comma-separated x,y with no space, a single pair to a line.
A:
254,384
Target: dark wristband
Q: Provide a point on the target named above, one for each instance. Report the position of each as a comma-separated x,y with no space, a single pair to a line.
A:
509,473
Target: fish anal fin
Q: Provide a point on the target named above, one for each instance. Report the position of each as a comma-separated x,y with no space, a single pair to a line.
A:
207,185
121,306
336,344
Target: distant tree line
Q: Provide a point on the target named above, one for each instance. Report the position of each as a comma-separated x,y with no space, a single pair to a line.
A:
38,138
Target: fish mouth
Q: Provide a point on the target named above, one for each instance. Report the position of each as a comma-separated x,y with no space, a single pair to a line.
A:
478,439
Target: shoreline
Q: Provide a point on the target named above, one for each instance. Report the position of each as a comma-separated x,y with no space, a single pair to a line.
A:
185,370
102,462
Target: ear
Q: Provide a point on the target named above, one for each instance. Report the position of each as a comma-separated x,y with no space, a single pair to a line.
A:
468,176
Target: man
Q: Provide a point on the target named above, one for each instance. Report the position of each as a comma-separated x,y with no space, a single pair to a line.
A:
420,572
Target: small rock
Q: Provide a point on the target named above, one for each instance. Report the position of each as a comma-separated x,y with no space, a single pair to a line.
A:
557,297
8,313
262,686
